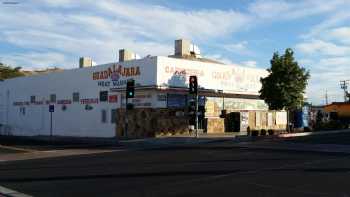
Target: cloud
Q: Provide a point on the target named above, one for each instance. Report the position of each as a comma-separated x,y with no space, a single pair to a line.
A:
326,72
341,34
195,24
35,60
220,58
100,28
340,16
250,63
323,48
240,48
288,10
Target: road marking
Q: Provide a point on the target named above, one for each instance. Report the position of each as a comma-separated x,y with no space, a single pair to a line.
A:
55,153
12,193
218,177
17,149
278,188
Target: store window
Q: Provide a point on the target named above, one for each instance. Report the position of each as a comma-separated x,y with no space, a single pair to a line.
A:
103,96
176,100
76,96
113,115
52,98
22,111
103,116
32,99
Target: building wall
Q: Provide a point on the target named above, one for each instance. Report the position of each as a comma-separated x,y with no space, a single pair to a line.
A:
26,118
84,117
343,109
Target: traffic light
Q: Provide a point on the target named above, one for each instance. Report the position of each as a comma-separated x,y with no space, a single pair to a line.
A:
201,110
193,83
192,111
192,106
130,88
223,113
129,106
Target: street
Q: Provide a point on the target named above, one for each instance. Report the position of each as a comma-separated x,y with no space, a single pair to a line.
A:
190,170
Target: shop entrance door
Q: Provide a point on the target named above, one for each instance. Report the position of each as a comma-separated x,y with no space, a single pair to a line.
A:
232,122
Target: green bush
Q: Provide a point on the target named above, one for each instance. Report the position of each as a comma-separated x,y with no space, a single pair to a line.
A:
270,131
263,132
330,125
255,132
307,129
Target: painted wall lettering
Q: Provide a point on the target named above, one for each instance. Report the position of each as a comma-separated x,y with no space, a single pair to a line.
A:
89,101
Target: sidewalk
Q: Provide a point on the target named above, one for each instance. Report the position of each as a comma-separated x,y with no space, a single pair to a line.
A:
170,141
51,154
290,146
302,134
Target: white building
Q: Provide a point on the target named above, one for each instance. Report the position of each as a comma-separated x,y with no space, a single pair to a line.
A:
85,98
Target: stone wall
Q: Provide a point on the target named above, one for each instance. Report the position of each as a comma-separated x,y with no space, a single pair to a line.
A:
264,121
215,125
150,122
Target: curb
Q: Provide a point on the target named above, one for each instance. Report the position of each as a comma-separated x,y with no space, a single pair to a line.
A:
290,135
11,193
245,138
165,142
319,148
17,149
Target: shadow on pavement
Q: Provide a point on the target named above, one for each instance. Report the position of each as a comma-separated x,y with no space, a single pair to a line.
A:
47,143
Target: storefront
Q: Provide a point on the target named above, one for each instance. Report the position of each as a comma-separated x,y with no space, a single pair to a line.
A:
89,101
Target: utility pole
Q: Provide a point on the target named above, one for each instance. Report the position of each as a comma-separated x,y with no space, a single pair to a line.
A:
344,85
326,97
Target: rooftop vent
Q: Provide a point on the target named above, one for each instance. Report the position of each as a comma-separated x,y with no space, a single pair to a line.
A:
125,55
85,62
184,48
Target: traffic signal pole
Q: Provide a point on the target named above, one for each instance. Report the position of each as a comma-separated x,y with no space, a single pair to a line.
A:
193,90
129,93
196,122
126,117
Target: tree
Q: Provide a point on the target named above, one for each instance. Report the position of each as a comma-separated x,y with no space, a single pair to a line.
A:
7,72
285,85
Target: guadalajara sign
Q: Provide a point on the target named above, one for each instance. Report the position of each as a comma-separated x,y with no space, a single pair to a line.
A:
115,71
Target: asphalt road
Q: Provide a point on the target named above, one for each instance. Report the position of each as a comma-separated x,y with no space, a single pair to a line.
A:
338,138
216,169
8,151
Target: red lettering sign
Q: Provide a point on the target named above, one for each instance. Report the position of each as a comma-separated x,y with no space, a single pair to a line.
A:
89,101
113,99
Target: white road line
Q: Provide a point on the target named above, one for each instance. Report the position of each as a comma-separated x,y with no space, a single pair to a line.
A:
12,193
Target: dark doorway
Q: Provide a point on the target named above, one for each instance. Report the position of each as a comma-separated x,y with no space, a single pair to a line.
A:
232,122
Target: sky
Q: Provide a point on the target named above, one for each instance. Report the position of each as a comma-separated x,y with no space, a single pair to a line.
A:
36,34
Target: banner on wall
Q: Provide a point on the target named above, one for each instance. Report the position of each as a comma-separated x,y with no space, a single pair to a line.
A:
269,119
229,78
281,118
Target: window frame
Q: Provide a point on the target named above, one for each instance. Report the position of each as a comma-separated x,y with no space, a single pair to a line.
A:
75,97
103,116
113,116
51,98
103,97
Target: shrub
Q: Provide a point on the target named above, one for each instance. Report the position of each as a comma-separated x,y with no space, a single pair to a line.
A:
307,129
263,132
255,132
270,131
248,131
